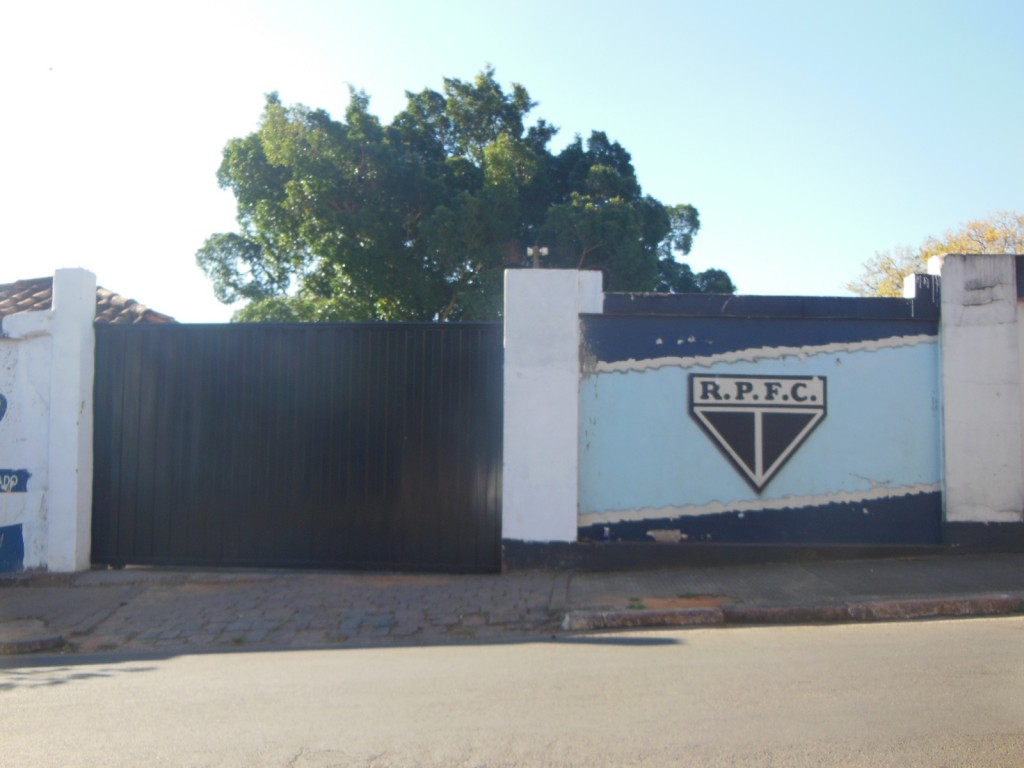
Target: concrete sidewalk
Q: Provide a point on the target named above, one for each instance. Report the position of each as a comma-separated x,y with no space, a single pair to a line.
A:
150,610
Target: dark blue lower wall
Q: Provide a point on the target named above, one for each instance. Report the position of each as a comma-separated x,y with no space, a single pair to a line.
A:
912,519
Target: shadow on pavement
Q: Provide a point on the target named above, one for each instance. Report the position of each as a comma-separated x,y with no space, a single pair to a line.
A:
50,672
40,670
617,640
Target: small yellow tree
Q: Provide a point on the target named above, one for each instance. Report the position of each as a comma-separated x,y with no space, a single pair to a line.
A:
883,275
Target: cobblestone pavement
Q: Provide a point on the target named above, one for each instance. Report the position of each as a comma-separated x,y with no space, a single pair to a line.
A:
160,610
154,610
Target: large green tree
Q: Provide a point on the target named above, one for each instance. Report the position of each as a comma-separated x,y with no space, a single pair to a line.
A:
357,220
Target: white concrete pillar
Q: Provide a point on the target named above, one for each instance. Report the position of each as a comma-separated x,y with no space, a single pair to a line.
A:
69,491
542,383
981,384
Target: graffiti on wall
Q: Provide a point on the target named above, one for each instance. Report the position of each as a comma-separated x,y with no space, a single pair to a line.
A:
12,480
12,548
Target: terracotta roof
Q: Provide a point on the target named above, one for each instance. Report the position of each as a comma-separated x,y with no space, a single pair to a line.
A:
36,294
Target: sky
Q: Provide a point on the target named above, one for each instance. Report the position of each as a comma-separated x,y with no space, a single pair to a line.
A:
809,134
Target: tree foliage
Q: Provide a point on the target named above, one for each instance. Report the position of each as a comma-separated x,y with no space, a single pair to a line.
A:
883,275
358,220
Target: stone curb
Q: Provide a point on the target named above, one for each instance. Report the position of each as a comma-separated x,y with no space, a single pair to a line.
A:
986,605
634,619
27,636
860,611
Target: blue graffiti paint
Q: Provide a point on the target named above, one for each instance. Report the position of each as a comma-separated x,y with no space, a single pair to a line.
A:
14,480
12,548
3,407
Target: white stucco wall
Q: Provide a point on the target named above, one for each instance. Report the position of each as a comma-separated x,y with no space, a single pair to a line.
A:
46,376
542,381
983,433
25,427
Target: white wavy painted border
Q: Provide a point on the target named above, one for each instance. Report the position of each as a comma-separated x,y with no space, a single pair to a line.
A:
755,505
757,354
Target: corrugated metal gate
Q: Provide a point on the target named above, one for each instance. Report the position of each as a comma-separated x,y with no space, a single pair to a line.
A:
352,446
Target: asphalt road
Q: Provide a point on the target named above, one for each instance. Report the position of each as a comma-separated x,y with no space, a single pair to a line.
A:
943,693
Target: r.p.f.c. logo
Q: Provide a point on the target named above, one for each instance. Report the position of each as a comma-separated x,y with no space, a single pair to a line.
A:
758,422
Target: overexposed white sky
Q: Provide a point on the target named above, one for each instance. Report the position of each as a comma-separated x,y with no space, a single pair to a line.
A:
808,134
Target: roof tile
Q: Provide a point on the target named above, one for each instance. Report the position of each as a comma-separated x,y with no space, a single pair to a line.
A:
36,294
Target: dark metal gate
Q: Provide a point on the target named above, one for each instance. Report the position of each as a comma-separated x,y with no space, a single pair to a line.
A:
352,446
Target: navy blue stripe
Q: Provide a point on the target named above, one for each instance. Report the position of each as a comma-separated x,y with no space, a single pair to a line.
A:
611,339
902,520
924,307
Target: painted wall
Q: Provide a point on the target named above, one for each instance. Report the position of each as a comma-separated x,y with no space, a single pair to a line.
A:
541,421
664,432
46,376
922,425
982,355
24,440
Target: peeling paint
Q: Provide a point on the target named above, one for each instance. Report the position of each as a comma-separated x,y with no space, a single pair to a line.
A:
763,353
667,535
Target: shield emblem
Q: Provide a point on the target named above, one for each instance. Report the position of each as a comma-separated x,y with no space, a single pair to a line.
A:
758,422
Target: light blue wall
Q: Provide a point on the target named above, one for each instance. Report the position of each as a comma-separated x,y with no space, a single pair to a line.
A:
643,455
